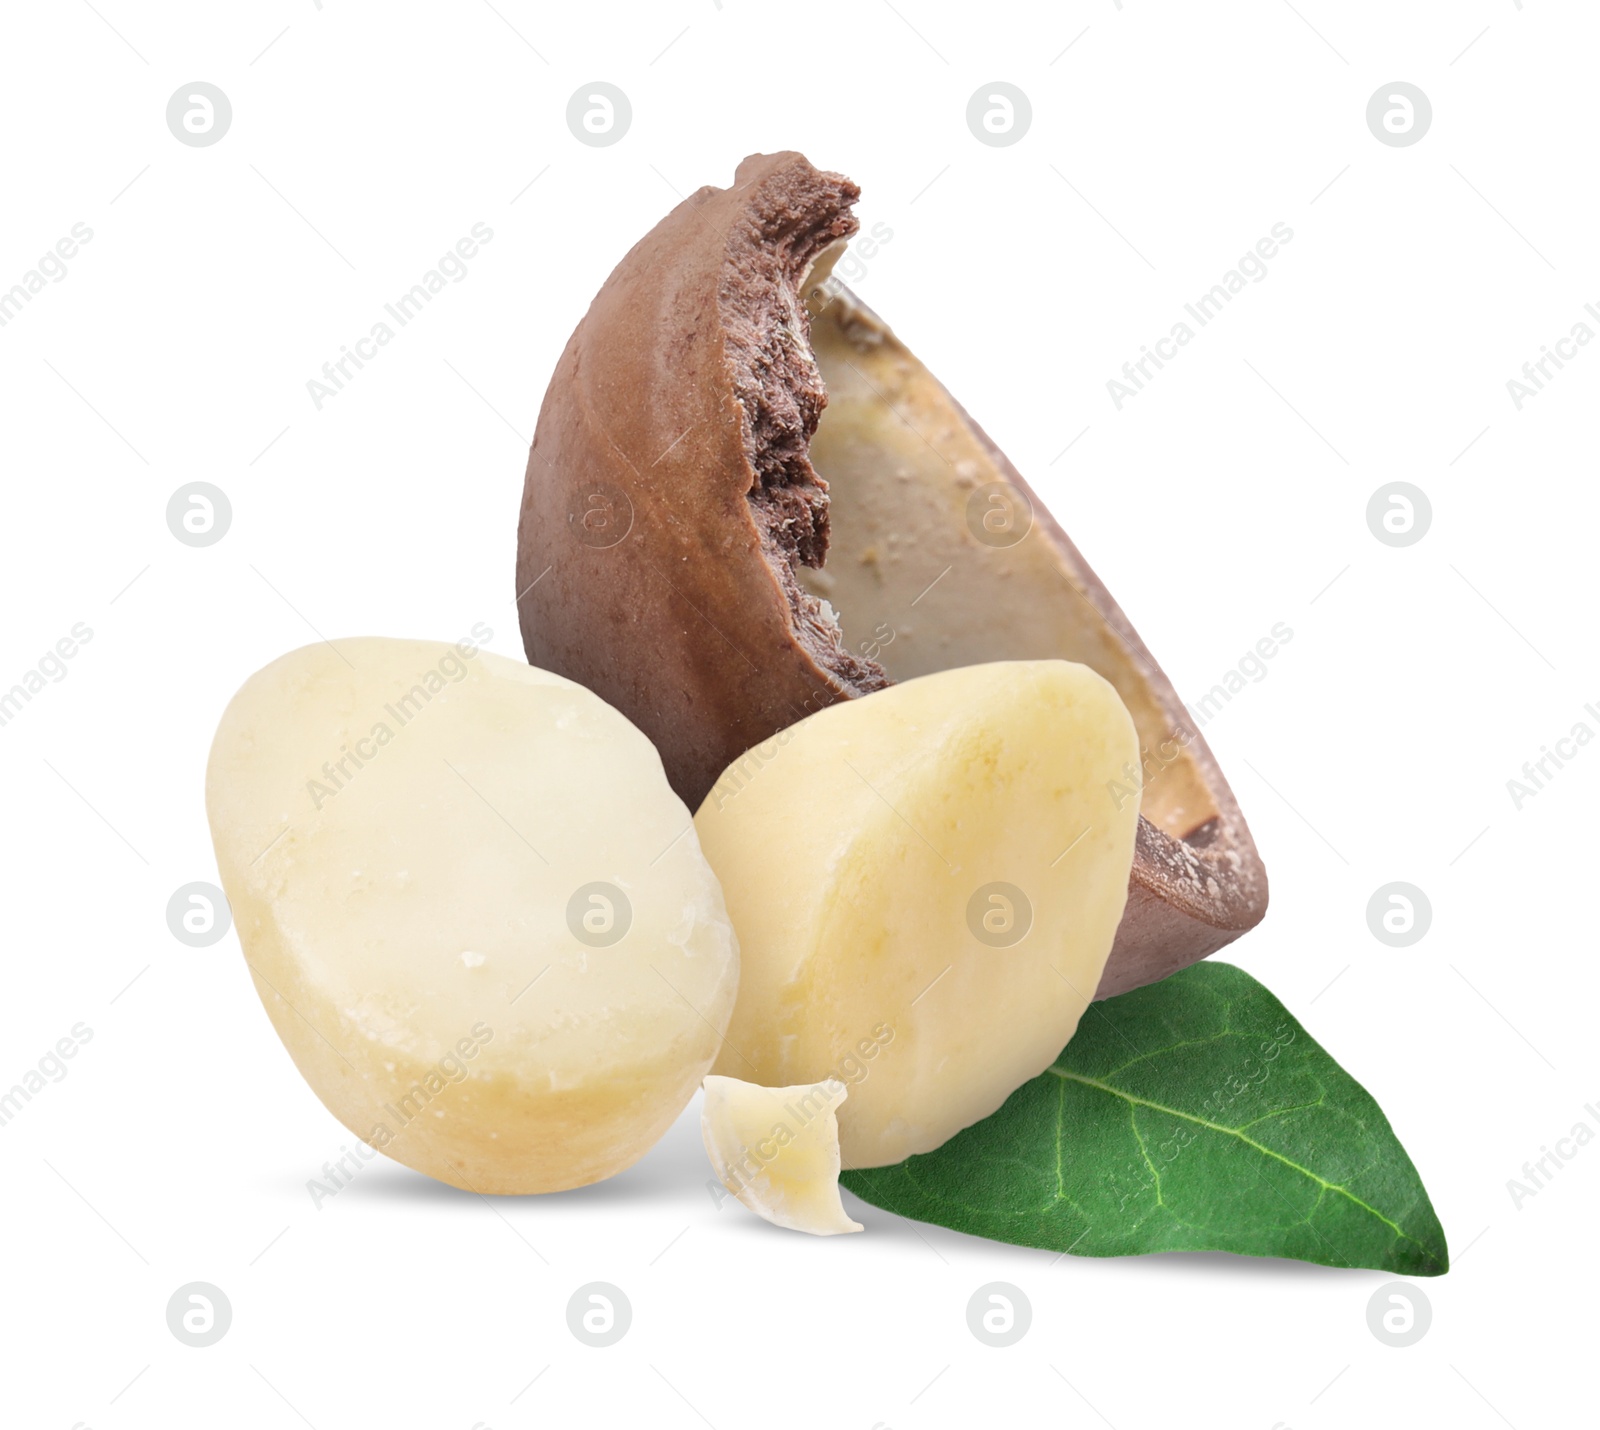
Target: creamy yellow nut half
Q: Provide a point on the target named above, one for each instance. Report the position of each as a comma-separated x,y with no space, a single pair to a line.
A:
777,1150
926,882
476,913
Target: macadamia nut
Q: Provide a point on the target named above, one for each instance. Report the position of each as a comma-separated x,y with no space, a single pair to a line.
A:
926,882
476,913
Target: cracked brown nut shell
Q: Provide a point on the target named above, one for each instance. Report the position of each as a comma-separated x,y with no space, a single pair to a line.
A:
716,555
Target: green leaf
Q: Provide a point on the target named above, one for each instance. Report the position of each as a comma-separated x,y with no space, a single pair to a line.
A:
1195,1114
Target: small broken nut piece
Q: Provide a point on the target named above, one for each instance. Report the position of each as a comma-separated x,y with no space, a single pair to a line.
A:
777,1150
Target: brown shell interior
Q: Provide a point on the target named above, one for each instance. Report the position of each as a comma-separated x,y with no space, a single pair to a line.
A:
936,560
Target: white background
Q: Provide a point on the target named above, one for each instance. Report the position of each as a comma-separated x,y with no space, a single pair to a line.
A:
1226,497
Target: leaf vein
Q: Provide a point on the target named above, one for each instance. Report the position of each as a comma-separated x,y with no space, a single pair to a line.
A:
1321,1101
1138,1136
1248,1141
1061,1105
1174,1048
